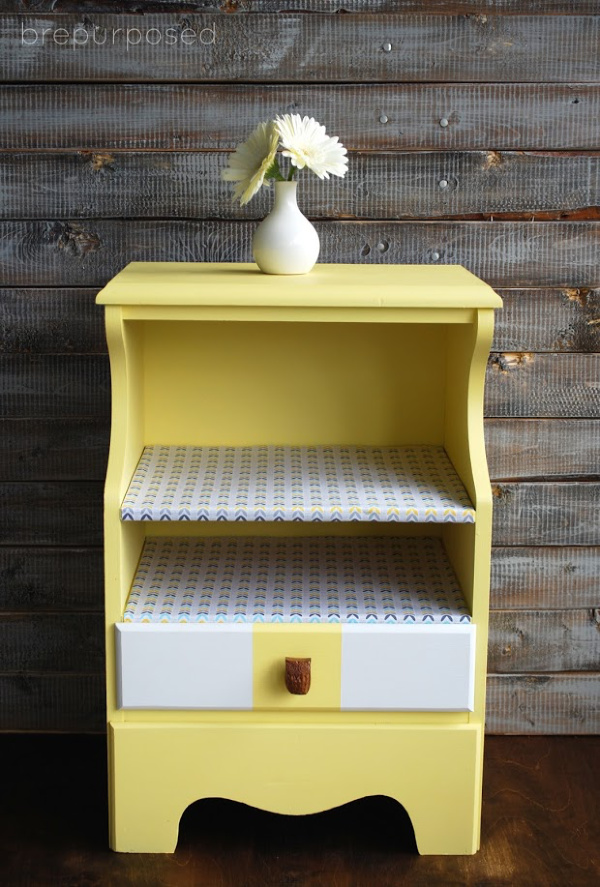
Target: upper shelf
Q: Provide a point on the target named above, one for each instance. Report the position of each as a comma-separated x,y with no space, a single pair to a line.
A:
186,284
270,483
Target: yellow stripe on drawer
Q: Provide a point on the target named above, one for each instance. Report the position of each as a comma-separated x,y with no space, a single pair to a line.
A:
273,643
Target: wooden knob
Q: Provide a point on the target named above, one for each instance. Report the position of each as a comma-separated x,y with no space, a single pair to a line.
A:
297,675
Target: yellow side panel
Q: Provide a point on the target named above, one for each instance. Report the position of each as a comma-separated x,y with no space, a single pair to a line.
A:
321,643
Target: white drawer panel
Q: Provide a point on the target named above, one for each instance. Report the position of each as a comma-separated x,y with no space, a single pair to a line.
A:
408,668
184,666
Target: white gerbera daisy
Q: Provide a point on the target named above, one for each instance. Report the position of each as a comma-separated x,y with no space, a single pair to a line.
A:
251,161
306,143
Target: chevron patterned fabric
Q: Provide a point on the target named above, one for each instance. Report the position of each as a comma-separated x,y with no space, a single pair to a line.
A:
382,580
270,483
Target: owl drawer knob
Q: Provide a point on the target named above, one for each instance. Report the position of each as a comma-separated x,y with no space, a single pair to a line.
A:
297,676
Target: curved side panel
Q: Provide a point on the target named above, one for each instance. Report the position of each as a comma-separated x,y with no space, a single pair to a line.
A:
296,769
122,545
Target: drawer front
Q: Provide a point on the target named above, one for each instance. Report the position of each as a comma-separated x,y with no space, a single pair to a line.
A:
184,666
352,667
408,668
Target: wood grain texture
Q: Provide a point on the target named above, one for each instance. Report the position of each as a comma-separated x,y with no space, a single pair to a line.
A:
528,578
180,117
546,513
59,321
66,320
60,580
301,48
530,704
65,642
549,320
558,385
542,703
397,185
535,385
523,384
72,448
67,703
551,641
34,579
541,449
70,513
520,642
61,448
228,7
90,252
53,385
67,513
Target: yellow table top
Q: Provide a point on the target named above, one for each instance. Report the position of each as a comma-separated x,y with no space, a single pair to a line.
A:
335,285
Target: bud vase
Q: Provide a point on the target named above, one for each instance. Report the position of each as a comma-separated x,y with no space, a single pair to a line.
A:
285,242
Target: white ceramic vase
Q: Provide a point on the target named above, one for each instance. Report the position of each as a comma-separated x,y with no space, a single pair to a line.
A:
285,242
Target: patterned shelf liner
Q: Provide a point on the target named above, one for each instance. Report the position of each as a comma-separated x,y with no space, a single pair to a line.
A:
381,580
271,483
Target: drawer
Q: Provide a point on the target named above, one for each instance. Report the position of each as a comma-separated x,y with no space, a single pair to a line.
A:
354,667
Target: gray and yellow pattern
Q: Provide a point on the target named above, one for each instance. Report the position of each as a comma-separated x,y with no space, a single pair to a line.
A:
270,483
381,580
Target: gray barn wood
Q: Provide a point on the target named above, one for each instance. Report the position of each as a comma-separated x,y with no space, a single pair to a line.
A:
305,48
67,320
88,252
543,578
382,117
398,185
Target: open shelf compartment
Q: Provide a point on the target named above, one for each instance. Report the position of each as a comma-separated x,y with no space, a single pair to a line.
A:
374,580
291,483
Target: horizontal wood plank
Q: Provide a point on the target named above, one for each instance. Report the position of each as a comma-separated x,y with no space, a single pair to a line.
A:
523,384
531,578
420,185
57,320
240,7
65,642
546,513
73,448
52,386
65,703
542,448
551,641
301,48
50,513
519,386
180,117
520,641
548,320
62,320
535,704
70,513
35,579
90,252
543,703
62,448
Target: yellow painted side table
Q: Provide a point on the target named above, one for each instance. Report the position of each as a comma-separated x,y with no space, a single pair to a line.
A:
297,543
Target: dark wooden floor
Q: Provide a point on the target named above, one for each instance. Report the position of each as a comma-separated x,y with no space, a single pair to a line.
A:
540,827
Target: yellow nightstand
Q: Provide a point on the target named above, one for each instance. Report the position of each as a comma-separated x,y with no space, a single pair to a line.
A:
297,472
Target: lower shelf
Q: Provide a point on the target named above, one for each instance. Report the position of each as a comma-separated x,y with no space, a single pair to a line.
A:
209,624
376,580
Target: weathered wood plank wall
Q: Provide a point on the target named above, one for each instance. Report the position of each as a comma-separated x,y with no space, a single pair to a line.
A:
474,132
